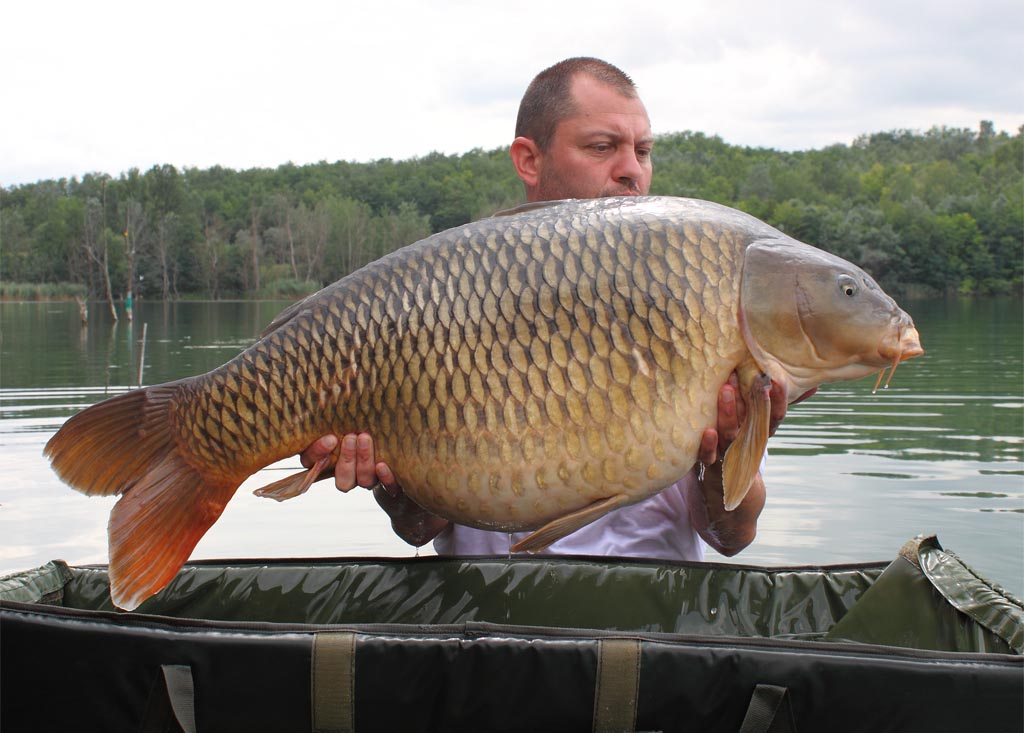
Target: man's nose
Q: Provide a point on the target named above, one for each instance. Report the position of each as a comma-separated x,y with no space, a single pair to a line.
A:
627,166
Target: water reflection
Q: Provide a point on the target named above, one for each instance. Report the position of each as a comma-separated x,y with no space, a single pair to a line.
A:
851,475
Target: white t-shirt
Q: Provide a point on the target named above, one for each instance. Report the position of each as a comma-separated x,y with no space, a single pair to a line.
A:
658,527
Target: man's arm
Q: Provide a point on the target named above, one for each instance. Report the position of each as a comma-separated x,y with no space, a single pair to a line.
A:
728,532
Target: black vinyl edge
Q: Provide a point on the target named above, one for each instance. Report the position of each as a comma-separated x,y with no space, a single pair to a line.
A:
483,631
520,559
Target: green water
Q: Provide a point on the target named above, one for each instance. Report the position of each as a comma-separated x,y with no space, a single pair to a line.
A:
851,475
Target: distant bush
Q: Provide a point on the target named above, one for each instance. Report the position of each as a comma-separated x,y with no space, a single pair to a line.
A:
288,289
42,291
941,210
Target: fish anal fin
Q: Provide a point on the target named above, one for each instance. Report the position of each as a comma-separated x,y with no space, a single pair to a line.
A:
297,483
743,458
566,525
155,526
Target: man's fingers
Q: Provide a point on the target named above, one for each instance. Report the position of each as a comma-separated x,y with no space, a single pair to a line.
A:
356,466
387,480
707,453
345,470
777,395
320,448
729,413
365,471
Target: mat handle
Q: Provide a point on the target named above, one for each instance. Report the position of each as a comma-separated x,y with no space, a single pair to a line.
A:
769,711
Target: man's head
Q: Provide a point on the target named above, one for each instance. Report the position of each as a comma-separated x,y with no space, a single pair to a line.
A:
582,132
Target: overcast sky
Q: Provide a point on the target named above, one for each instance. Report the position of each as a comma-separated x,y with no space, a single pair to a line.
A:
106,86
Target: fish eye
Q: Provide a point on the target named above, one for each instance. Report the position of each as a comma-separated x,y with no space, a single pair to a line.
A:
848,286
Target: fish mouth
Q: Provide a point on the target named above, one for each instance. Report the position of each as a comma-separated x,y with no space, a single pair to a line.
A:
910,344
907,345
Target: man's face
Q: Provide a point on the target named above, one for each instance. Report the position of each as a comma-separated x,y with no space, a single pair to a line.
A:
603,149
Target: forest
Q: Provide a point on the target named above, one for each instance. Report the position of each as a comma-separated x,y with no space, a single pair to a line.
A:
933,212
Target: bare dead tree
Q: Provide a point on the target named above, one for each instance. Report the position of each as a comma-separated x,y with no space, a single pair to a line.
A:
254,242
291,240
134,230
212,239
313,229
164,231
95,242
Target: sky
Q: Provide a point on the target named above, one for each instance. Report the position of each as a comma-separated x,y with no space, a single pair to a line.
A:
106,86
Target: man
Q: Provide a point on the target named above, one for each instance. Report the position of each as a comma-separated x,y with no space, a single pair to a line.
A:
583,132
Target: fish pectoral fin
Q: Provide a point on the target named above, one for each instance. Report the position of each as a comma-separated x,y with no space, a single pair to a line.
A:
298,483
566,525
743,458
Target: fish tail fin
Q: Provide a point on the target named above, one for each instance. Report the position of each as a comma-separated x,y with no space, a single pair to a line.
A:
154,527
126,445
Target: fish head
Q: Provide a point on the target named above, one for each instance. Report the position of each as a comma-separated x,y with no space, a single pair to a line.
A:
810,317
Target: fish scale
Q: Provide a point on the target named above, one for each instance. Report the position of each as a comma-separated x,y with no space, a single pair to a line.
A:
529,371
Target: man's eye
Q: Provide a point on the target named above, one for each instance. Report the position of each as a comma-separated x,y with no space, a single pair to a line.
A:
601,147
643,153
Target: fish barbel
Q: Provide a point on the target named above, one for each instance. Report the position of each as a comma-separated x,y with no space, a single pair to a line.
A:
534,370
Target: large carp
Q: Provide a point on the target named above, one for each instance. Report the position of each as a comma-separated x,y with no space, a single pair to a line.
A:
534,370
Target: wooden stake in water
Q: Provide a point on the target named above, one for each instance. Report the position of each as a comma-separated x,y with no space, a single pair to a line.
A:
83,309
142,352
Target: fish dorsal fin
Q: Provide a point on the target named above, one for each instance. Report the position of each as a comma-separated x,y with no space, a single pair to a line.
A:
743,458
531,206
289,313
284,316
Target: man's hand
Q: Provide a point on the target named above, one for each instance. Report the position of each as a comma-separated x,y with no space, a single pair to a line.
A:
728,532
732,410
356,467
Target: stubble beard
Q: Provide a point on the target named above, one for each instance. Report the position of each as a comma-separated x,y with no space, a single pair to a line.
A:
553,187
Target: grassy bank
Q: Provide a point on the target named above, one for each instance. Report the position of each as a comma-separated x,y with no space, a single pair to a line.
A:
42,291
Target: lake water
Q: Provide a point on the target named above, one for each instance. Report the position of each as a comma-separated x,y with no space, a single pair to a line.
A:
851,475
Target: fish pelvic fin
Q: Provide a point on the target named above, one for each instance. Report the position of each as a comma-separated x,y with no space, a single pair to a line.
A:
743,458
298,483
126,445
566,525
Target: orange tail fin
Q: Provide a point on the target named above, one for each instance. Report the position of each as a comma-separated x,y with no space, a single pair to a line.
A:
126,445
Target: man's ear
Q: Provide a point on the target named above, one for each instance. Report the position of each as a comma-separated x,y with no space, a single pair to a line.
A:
526,158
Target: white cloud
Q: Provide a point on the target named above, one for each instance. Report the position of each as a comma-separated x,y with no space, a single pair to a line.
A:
112,85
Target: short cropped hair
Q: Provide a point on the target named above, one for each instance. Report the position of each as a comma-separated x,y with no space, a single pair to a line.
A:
548,99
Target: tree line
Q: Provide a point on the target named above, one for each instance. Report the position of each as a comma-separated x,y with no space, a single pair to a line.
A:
940,211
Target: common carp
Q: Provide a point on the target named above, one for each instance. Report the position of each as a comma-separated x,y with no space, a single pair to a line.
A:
530,371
